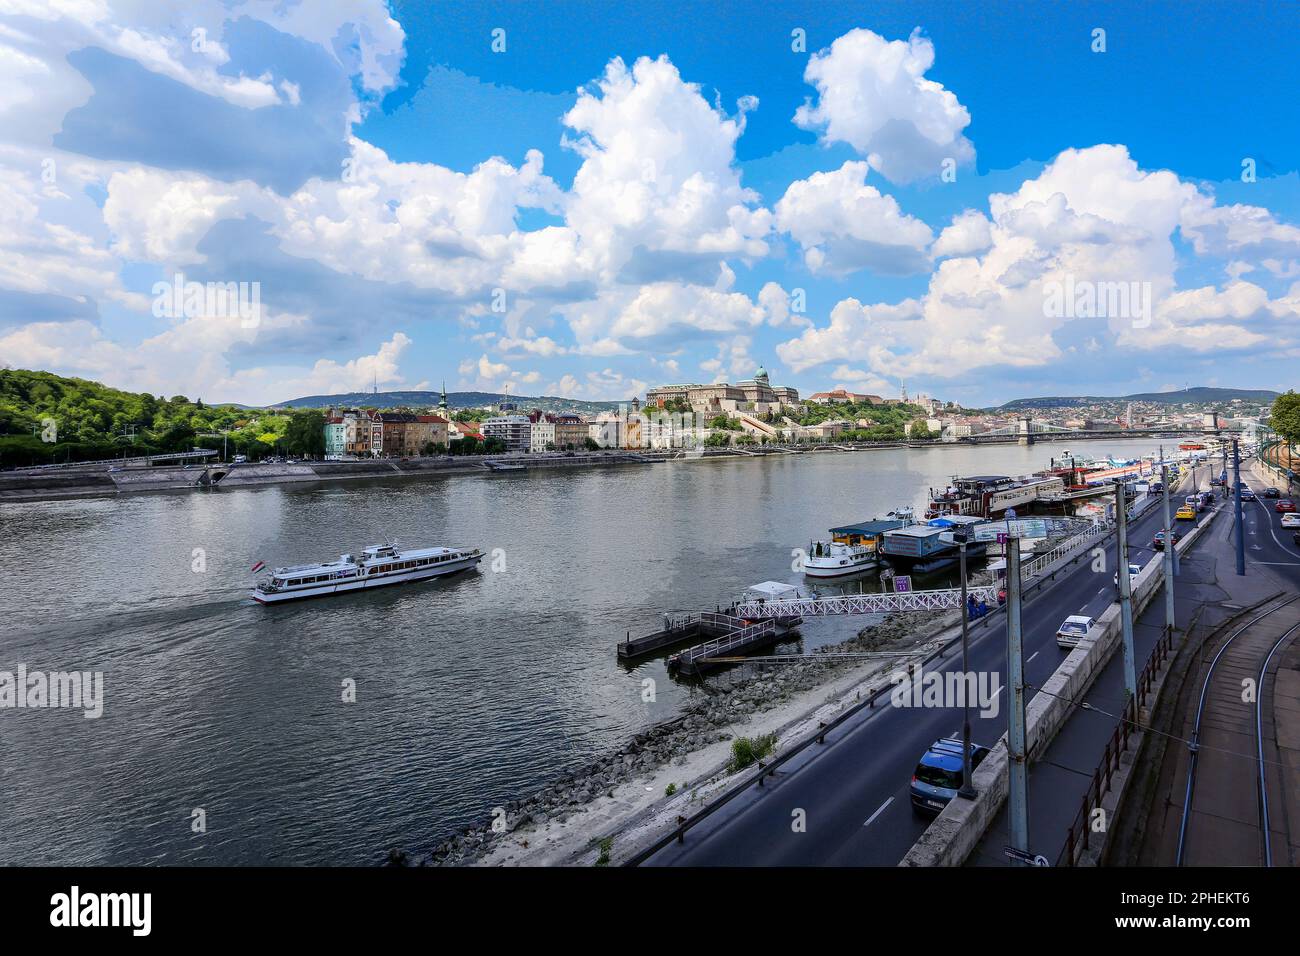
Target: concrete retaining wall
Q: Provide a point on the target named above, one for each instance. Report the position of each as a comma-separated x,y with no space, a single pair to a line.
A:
955,833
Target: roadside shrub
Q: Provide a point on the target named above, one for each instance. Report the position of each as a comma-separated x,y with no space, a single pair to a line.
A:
746,751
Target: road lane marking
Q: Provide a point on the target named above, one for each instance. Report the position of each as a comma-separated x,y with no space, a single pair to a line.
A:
878,812
1033,655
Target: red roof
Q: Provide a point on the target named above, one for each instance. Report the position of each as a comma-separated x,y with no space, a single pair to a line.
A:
436,419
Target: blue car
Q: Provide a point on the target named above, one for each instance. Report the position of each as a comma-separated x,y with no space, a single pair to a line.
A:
937,777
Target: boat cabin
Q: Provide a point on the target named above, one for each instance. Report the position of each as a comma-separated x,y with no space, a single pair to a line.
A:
865,534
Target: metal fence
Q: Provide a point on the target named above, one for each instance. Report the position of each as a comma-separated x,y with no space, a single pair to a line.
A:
889,602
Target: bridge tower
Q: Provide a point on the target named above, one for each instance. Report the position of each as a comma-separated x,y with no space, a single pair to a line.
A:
1026,434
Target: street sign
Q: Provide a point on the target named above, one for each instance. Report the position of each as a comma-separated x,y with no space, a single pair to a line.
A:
1029,859
1000,530
902,582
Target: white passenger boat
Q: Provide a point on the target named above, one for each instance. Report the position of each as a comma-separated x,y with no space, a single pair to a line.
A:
853,547
378,565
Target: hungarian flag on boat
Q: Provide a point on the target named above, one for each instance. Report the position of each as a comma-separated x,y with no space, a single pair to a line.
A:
259,566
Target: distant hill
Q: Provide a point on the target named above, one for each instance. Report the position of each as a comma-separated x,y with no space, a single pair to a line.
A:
547,403
1192,396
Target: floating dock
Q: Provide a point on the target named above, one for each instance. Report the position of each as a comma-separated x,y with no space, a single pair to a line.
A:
676,631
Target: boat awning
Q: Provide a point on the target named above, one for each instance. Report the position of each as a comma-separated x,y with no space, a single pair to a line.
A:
948,521
772,589
869,527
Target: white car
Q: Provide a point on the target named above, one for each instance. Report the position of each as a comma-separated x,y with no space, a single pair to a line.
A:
1073,630
1133,571
1291,520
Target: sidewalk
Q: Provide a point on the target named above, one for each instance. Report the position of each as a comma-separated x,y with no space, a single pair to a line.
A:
1207,588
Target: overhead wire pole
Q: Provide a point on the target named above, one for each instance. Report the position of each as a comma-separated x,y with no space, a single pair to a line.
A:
1125,588
1017,764
1170,551
1236,494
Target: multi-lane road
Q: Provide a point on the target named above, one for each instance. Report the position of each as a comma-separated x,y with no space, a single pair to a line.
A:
846,803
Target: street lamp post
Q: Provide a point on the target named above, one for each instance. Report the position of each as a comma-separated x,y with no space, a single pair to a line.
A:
967,789
1125,593
1017,762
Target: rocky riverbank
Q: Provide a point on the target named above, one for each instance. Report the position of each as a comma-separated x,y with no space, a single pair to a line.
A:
569,819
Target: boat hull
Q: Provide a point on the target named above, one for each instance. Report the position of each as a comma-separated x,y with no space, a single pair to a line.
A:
836,567
366,583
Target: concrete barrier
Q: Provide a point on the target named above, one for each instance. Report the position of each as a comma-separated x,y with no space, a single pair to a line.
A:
955,833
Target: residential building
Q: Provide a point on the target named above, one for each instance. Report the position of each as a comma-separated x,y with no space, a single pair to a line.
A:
571,432
542,437
347,432
388,434
514,430
427,429
334,437
609,430
458,430
356,433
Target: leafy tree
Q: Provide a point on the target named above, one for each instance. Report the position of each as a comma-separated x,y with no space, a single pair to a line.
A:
305,433
1285,417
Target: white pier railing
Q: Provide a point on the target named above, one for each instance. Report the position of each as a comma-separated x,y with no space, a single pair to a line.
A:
890,602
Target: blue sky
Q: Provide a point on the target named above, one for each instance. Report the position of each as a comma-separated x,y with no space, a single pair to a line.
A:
598,197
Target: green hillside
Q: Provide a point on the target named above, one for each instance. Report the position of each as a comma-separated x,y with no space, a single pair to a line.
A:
48,418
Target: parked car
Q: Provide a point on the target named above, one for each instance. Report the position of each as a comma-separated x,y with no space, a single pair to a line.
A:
1291,520
1157,487
1185,513
1158,542
240,459
937,776
1272,493
1285,506
1207,498
1073,629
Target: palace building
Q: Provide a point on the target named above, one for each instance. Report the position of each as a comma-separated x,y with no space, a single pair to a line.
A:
754,394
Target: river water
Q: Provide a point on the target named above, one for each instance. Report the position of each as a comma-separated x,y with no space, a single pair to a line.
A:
468,692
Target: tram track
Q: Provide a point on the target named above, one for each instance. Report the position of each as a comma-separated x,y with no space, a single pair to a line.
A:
1215,816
